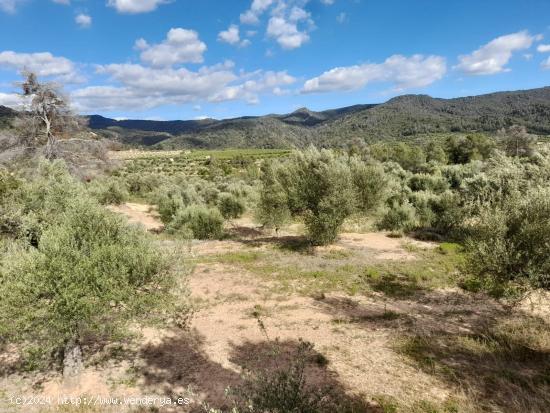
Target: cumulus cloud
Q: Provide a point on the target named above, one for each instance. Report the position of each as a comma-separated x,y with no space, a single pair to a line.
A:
11,100
232,36
43,64
493,57
403,72
289,22
284,24
137,86
83,20
135,6
257,8
543,48
180,46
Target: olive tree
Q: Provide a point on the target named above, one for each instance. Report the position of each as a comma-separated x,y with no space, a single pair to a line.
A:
85,274
317,186
517,142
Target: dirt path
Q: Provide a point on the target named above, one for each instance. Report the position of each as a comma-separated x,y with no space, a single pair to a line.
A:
141,214
240,318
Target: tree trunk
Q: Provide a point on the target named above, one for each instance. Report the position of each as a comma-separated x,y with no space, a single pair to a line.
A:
72,360
50,151
50,144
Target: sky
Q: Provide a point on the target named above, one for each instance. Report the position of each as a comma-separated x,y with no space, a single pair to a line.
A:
183,59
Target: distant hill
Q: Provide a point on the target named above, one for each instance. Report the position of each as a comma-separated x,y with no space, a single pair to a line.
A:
6,115
403,117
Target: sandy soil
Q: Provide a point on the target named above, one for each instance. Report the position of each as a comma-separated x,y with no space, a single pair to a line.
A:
141,214
239,319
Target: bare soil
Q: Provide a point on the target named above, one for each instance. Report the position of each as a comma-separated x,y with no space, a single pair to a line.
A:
239,320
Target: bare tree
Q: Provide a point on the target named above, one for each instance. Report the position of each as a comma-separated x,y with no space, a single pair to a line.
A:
49,117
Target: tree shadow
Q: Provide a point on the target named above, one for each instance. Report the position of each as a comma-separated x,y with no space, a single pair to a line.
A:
497,356
292,243
180,361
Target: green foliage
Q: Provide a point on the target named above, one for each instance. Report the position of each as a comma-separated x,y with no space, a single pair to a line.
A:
461,150
109,191
200,221
273,210
319,187
370,184
86,273
399,217
517,142
509,241
230,206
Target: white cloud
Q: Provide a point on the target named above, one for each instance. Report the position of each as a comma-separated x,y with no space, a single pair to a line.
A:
327,2
11,100
180,46
136,86
257,8
83,20
135,6
232,36
546,64
283,26
494,56
543,48
43,64
403,72
10,6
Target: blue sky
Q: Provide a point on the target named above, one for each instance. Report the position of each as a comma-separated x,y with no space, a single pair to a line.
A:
182,59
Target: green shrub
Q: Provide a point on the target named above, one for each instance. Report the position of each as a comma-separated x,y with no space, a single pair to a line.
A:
370,184
202,222
318,186
399,217
109,191
428,182
509,242
230,206
85,275
273,209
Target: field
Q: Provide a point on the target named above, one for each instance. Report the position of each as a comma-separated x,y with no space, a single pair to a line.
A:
381,318
192,162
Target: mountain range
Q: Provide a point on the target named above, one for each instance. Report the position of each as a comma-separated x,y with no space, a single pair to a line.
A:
403,117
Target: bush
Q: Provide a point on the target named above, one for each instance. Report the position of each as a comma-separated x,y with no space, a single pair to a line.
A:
230,206
109,191
85,275
200,221
318,186
370,184
509,242
273,206
399,217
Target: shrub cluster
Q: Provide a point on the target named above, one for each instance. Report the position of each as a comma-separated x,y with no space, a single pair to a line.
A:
73,270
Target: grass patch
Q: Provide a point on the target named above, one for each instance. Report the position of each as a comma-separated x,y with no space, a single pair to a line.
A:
341,271
503,367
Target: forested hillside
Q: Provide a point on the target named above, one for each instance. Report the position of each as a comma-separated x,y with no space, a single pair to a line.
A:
401,117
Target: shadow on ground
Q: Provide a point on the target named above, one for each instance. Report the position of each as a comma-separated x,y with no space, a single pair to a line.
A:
497,356
266,374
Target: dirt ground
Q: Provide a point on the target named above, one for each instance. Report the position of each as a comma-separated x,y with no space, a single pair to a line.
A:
240,318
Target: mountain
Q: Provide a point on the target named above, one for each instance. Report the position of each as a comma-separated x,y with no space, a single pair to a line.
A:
403,117
6,115
412,115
